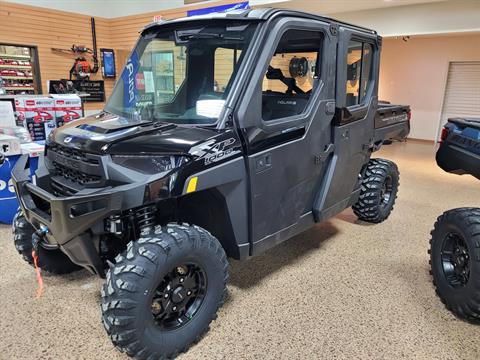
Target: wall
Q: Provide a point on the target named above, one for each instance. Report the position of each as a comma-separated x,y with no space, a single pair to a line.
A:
28,25
415,73
423,19
103,8
46,29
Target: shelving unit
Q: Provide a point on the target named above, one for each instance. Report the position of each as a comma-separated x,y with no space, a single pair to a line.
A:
17,78
14,88
19,69
14,67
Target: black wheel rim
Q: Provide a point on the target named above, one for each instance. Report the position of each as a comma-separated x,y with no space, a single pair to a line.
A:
179,296
455,260
386,192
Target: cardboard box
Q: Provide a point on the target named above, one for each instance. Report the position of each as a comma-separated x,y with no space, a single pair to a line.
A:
67,108
9,145
11,100
37,114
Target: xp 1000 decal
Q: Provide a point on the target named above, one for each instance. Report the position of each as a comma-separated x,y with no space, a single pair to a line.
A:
212,151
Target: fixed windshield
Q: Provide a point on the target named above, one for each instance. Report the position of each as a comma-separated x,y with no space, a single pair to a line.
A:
182,75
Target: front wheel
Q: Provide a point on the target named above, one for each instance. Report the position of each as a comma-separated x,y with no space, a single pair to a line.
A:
455,261
378,192
164,291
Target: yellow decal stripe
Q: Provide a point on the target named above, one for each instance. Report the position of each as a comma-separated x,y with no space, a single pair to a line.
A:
192,185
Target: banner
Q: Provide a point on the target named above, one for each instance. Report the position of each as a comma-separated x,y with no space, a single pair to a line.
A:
129,78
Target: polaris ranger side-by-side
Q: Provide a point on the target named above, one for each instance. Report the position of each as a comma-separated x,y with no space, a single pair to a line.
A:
455,243
225,135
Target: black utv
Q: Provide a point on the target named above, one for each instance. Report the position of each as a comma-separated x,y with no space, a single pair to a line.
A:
225,135
455,242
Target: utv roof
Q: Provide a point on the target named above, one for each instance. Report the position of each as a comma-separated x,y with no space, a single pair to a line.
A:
257,14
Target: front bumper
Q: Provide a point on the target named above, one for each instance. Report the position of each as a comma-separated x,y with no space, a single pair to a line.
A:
70,219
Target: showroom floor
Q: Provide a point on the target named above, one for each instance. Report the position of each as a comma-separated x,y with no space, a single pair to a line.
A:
343,290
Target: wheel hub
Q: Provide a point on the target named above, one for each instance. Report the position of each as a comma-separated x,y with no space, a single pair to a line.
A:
178,296
455,260
386,192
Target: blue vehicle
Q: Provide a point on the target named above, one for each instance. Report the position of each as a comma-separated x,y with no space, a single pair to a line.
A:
455,243
459,152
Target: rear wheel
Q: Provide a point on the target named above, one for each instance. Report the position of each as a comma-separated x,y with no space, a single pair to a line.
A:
379,190
455,261
164,291
52,261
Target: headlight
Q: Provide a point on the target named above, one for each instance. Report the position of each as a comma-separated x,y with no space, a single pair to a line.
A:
149,164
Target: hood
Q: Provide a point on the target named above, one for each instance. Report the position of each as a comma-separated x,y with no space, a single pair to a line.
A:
111,134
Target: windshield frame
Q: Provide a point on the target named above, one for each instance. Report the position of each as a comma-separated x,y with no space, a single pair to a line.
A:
236,78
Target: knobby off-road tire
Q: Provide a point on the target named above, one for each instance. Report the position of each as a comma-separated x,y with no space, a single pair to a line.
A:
455,261
52,261
142,288
379,190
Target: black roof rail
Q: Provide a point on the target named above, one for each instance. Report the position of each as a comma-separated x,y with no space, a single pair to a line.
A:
262,14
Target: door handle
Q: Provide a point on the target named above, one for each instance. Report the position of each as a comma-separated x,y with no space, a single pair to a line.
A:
263,162
324,155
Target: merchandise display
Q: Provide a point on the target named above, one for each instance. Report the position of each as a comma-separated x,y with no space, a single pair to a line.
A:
191,162
67,108
37,114
17,70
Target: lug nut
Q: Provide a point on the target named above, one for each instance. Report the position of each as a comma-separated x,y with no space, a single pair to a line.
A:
181,280
174,308
166,296
189,293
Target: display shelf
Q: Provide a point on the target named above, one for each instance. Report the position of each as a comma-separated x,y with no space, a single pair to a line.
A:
18,67
12,56
19,88
16,77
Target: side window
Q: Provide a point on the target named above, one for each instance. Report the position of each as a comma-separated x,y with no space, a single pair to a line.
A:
292,74
224,64
359,68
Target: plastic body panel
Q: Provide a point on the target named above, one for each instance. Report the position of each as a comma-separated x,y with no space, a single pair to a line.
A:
459,153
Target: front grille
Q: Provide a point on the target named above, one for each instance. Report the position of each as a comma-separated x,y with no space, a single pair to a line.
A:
75,175
71,153
72,170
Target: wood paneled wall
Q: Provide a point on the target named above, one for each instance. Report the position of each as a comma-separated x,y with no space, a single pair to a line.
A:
46,29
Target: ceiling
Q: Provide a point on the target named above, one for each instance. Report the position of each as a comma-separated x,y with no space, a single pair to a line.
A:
116,8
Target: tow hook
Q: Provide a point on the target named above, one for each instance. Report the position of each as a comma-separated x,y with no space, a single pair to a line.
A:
36,238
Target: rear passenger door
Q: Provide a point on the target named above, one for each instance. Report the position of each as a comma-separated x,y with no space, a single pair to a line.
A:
286,119
356,105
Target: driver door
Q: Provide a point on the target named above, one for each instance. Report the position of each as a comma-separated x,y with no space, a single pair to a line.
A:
287,124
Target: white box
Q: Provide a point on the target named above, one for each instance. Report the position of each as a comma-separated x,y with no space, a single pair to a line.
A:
37,114
9,145
67,108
